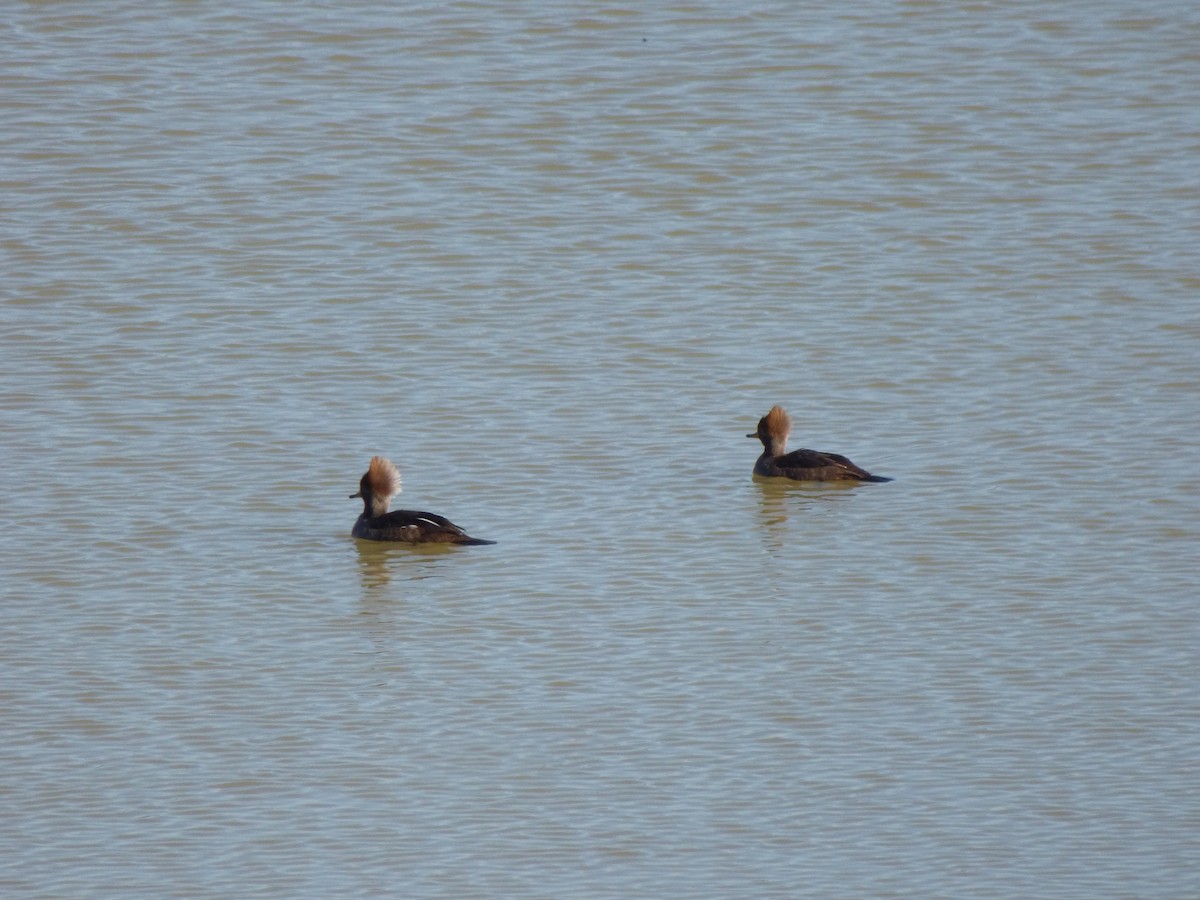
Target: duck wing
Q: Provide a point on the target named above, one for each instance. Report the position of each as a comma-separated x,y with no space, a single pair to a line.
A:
416,526
816,465
403,517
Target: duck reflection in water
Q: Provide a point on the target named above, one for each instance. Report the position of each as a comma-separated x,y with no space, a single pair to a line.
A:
382,562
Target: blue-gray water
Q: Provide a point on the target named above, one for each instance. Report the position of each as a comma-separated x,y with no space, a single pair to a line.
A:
555,260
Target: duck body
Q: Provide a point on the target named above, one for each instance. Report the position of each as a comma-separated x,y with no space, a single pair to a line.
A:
812,465
375,523
412,527
800,465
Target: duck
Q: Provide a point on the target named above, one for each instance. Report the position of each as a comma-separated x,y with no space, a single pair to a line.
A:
800,465
377,488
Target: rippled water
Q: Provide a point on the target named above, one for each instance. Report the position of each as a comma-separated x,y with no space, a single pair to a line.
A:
555,260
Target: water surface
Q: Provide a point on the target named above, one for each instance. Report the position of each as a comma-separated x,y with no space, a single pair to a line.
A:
555,260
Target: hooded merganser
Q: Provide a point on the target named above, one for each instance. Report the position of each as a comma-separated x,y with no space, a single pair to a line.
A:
377,487
800,465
